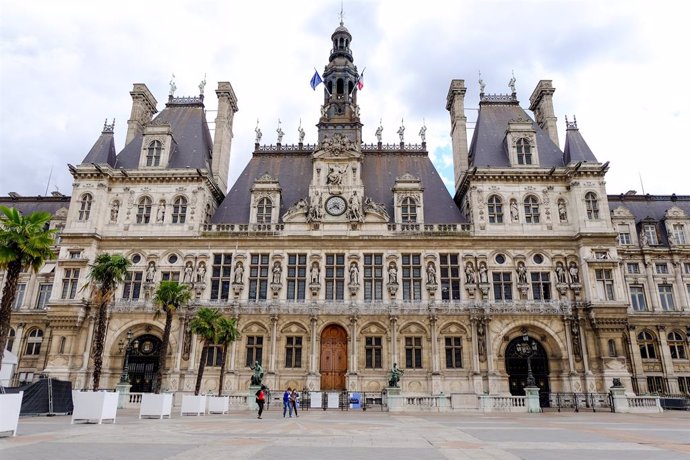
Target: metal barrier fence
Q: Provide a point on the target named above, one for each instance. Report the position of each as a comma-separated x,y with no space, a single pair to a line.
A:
581,401
343,400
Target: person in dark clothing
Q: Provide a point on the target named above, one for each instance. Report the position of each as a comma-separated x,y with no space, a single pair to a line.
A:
293,401
287,405
261,399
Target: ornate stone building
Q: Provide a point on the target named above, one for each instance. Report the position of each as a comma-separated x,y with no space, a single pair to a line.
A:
342,258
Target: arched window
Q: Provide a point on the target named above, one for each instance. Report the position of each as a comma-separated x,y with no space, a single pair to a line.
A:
340,85
612,348
144,210
676,342
495,210
153,154
647,345
179,215
85,207
61,346
531,210
408,210
264,211
10,339
524,152
33,342
592,206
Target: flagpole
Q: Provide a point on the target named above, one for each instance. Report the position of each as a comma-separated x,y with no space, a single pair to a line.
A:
324,83
358,78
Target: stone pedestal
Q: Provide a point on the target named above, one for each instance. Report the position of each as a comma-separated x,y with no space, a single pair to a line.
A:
620,400
123,390
532,400
251,399
395,400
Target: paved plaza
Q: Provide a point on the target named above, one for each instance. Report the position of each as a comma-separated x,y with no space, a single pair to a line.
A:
336,435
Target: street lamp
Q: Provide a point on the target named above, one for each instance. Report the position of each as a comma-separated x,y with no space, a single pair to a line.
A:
128,346
525,350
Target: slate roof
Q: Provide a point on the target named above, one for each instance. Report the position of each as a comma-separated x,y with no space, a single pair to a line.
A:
576,149
103,151
192,143
488,147
650,207
29,204
379,171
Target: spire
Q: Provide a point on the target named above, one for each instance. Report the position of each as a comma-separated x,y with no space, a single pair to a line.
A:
576,149
103,151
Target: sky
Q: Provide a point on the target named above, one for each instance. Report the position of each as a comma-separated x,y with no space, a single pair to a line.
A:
617,66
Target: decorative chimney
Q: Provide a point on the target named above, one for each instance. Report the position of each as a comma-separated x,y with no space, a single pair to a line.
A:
455,104
541,103
222,139
143,110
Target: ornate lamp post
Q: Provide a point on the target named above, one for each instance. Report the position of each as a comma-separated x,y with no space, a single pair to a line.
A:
525,350
128,346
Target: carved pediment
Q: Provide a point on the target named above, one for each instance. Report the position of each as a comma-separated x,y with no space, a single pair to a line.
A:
622,211
337,146
674,212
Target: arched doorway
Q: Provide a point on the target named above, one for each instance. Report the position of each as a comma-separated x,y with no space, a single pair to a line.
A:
143,363
516,367
333,358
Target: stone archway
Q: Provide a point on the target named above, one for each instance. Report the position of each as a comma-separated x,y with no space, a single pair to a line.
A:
333,363
516,367
143,363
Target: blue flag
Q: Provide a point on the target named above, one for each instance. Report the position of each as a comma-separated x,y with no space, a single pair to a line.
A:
315,80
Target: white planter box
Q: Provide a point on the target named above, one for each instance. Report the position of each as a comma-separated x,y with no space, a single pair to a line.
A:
156,405
217,404
94,405
10,406
193,405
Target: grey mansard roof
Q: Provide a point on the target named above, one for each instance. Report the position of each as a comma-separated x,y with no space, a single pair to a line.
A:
576,149
28,204
293,170
651,208
192,143
488,147
103,151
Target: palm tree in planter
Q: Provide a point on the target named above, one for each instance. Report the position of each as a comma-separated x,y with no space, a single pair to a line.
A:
227,333
205,325
107,271
169,297
25,241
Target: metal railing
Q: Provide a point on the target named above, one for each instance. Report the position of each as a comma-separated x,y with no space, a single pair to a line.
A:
581,401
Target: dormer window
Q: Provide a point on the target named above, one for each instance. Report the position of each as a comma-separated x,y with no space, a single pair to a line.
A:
144,210
179,215
408,210
264,211
592,206
531,209
85,207
524,151
649,235
153,154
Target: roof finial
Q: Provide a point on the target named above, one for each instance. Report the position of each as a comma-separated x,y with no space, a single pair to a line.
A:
258,132
300,132
482,85
108,128
511,83
173,86
202,85
570,124
341,12
280,132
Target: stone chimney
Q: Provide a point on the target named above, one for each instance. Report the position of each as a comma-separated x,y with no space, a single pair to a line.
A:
541,103
222,138
143,110
455,104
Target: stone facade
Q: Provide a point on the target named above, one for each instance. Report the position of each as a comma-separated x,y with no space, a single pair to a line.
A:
342,258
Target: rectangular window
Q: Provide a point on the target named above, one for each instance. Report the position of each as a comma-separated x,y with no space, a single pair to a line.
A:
170,276
684,385
453,352
132,286
19,297
335,276
649,233
214,356
255,348
413,352
656,384
541,286
75,255
44,291
412,276
605,284
297,277
624,234
633,268
450,276
679,233
661,268
503,286
221,276
637,298
666,297
686,268
373,351
293,352
373,276
69,283
258,277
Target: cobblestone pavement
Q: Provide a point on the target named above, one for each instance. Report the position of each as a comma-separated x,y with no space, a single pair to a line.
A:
335,435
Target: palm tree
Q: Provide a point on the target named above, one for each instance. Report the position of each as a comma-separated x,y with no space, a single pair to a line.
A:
227,333
107,271
205,325
169,297
25,241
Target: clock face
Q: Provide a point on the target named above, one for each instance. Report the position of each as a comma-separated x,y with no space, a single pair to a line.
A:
336,205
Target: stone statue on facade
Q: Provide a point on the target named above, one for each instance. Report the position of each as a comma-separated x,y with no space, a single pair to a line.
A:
280,133
202,85
114,211
258,374
392,273
514,213
395,375
277,271
562,211
314,274
522,273
574,273
482,85
173,86
469,273
355,207
354,274
422,133
257,140
401,131
160,214
511,83
560,273
430,273
151,272
379,132
335,175
300,133
483,273
201,272
239,273
188,271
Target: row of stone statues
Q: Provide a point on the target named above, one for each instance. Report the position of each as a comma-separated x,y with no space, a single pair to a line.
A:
300,133
190,274
563,276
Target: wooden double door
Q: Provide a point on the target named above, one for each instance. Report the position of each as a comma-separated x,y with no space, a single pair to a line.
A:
333,366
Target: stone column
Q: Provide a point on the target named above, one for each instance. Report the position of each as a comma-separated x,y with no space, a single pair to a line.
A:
667,361
233,347
312,357
192,353
475,347
653,290
569,344
435,364
394,340
180,344
18,336
637,361
489,347
683,299
87,344
274,339
353,344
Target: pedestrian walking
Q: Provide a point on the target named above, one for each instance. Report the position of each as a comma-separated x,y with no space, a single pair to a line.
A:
293,401
261,399
287,405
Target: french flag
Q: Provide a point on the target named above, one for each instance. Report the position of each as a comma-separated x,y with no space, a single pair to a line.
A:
360,81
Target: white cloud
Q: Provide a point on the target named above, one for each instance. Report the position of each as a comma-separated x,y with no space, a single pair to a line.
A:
618,66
